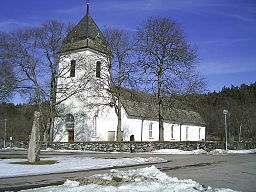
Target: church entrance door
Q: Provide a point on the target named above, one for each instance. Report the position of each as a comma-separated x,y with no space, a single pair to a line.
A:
71,136
111,136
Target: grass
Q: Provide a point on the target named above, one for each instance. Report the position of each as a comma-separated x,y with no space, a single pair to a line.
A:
45,162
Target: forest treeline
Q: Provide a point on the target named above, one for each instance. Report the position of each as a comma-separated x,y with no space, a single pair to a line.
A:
18,120
240,101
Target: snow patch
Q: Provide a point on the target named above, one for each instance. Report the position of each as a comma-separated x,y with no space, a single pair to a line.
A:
148,179
249,151
218,151
201,151
63,165
70,183
177,151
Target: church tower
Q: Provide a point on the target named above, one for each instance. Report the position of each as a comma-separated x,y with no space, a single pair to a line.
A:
82,82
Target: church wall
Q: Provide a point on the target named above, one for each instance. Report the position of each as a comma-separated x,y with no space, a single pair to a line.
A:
106,122
135,128
179,131
147,135
171,132
132,127
191,133
59,132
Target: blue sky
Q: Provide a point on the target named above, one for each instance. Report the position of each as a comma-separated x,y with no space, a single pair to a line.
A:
223,30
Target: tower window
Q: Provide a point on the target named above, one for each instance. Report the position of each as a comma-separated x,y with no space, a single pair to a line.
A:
73,68
150,130
98,69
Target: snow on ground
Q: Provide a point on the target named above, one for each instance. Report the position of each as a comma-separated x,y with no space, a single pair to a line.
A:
148,179
201,151
67,164
249,151
222,151
177,151
173,151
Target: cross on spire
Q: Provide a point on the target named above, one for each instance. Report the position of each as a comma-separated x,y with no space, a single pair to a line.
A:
87,7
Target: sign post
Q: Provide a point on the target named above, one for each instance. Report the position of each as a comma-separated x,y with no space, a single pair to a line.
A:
225,112
5,133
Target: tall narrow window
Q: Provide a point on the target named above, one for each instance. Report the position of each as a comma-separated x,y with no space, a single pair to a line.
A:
98,69
69,122
172,137
150,130
70,127
186,133
73,68
95,126
199,134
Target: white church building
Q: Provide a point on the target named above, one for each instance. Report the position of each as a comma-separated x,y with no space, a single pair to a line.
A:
85,112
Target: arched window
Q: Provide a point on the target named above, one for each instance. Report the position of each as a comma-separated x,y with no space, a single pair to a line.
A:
172,136
95,126
132,138
73,68
98,69
70,122
150,130
186,133
199,134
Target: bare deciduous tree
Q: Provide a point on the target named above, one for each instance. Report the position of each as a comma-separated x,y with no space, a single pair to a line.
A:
167,61
120,68
35,55
7,75
7,81
50,36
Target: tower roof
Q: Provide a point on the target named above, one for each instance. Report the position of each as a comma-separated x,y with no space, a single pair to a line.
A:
85,34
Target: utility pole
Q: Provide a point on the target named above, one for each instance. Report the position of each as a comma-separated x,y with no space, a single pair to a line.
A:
5,133
225,112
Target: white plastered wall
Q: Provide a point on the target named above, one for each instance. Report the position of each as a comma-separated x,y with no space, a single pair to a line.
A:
191,133
140,129
77,105
79,93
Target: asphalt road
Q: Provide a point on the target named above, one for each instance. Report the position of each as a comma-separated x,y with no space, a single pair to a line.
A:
234,171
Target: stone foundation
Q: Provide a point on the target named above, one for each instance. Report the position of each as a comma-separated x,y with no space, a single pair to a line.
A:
147,146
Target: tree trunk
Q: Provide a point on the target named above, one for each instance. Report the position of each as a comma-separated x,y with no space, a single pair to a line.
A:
240,132
34,142
160,103
52,105
161,122
119,120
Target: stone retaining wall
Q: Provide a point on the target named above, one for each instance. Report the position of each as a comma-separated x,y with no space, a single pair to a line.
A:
147,146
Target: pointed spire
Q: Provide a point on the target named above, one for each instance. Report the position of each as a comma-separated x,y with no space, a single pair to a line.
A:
87,7
85,34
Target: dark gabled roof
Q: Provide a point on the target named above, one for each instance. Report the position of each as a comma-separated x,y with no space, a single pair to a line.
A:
150,111
85,34
142,105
